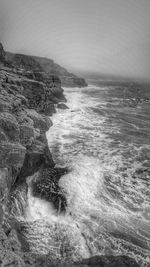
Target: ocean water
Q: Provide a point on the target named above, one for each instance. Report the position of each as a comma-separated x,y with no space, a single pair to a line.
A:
104,140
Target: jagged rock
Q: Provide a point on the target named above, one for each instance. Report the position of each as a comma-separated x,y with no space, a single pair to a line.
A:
27,95
40,97
10,254
12,154
14,242
9,125
27,134
40,121
62,106
37,156
45,185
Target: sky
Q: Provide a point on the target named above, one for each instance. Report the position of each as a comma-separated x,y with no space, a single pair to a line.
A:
102,36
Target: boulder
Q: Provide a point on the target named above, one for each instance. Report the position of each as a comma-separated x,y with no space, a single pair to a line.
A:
62,106
12,154
9,126
37,156
45,185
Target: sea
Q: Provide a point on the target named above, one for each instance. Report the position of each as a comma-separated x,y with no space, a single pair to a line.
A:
103,138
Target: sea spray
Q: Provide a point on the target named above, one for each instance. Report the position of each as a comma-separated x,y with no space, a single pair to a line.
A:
106,187
49,232
102,194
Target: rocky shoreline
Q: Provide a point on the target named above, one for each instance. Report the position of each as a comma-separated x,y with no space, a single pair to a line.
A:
27,99
25,107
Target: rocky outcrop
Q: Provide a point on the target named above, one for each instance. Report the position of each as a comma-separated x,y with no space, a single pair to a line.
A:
32,66
62,106
24,106
44,180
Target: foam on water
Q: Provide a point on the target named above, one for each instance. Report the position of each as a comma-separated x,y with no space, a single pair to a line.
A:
107,210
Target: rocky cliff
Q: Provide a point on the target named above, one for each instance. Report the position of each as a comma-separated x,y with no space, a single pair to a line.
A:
32,65
25,105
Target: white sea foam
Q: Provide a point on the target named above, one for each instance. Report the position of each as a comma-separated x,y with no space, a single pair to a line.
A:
99,197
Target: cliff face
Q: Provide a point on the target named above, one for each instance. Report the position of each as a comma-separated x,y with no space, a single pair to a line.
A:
24,106
48,67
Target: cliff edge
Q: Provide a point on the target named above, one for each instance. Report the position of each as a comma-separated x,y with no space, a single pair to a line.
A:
32,65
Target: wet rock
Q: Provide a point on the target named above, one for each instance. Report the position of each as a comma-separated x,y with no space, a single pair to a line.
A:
10,254
37,156
49,109
45,185
62,106
17,200
14,242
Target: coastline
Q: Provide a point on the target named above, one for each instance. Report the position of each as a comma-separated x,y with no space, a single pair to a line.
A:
26,105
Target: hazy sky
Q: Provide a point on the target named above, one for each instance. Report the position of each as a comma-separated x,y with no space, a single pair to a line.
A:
106,36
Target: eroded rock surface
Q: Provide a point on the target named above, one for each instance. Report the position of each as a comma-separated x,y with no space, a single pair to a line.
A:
24,106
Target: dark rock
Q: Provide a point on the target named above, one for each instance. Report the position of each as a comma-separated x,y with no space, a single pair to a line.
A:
62,106
12,154
9,125
2,53
42,98
45,185
49,109
27,134
37,156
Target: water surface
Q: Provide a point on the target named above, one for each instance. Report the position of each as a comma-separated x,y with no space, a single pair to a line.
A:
103,138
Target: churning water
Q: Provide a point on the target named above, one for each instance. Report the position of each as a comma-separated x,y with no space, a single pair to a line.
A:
103,138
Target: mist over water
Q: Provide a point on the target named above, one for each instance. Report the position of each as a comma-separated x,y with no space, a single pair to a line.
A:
103,139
